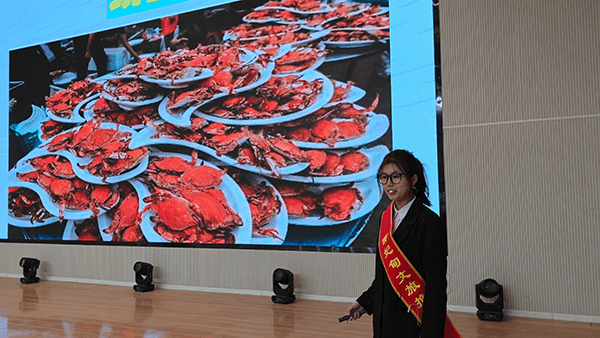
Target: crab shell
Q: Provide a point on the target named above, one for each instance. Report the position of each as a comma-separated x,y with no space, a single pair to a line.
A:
339,202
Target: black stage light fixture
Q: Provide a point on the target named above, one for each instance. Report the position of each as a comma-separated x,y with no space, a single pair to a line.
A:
490,300
283,295
143,277
30,266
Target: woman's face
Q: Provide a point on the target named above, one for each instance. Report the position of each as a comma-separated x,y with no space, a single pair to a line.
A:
402,191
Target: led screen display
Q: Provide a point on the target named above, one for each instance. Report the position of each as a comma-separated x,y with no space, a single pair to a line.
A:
255,124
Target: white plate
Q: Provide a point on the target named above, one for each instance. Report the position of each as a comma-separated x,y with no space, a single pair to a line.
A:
313,36
322,98
371,192
88,113
233,36
281,52
52,207
352,44
377,126
131,105
144,138
135,42
64,78
354,94
76,160
266,20
375,155
79,110
25,221
279,222
361,28
321,10
235,198
74,118
178,83
182,119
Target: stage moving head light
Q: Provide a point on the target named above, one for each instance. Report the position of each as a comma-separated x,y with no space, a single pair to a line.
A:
30,266
490,300
143,277
283,295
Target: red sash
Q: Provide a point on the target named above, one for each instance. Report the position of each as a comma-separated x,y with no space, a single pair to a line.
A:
404,278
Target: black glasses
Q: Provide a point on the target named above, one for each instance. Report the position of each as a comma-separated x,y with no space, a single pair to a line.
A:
394,177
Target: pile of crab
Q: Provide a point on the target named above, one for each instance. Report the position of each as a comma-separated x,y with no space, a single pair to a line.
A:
187,63
337,122
26,203
120,222
279,96
358,35
124,225
264,203
104,145
336,202
299,59
62,103
129,90
241,143
55,175
188,205
252,31
51,128
340,10
301,5
109,111
265,149
365,19
219,84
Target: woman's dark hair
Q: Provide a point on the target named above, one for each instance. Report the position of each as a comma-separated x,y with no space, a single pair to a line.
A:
410,165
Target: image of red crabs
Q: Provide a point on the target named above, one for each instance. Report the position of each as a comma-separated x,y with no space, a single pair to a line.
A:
279,96
87,230
188,190
26,203
122,219
63,102
328,125
67,190
106,147
336,202
265,204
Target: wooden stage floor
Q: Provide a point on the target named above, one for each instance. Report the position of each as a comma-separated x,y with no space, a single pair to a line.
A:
62,309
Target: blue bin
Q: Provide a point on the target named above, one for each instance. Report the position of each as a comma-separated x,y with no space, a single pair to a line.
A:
27,142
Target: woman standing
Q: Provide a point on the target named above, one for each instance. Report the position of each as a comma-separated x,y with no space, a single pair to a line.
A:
398,300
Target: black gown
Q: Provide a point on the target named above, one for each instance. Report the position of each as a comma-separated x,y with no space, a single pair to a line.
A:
422,237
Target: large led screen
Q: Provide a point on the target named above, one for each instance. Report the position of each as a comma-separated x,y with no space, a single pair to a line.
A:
255,124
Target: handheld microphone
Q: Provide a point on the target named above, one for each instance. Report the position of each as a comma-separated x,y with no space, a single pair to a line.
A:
345,318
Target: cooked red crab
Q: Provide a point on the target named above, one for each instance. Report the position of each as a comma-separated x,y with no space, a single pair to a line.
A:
264,206
338,203
23,202
73,193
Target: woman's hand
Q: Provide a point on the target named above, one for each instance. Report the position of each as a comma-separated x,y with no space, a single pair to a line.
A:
353,311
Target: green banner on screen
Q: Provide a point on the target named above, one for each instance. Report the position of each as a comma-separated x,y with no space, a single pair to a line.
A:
119,8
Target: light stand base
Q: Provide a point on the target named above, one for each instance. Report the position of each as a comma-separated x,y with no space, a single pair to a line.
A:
30,280
490,315
283,299
143,288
